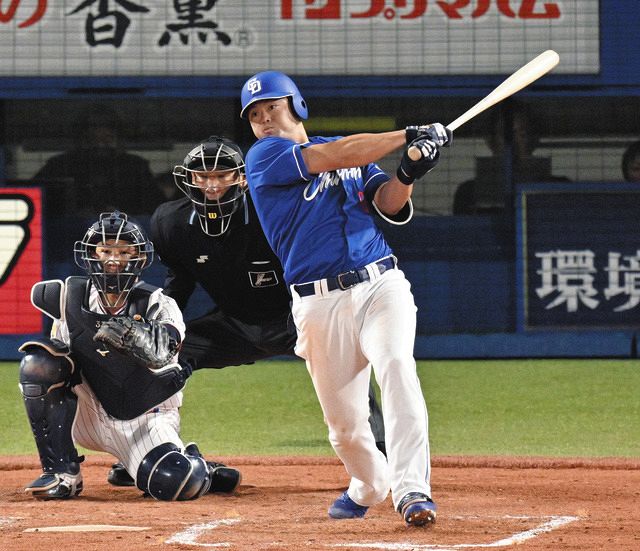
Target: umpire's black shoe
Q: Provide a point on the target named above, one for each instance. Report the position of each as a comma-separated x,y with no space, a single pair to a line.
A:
118,476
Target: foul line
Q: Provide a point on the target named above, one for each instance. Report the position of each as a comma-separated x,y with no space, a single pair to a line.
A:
515,539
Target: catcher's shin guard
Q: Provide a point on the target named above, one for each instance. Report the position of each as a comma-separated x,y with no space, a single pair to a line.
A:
45,371
168,474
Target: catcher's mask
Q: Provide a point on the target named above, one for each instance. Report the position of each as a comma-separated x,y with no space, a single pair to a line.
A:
212,176
113,252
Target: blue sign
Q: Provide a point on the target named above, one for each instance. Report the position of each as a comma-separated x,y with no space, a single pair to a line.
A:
578,256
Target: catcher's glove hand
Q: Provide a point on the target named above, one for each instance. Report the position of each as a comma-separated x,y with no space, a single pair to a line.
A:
148,342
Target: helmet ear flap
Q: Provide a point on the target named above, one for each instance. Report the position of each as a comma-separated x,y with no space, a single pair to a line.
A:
298,107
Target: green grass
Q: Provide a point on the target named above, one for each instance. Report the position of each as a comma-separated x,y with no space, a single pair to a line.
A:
535,407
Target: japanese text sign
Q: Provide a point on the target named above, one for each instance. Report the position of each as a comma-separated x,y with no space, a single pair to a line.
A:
240,37
580,257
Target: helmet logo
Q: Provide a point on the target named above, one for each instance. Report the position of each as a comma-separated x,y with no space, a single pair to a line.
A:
212,215
254,86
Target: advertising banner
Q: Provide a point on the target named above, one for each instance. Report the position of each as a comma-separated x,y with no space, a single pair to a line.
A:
579,257
303,37
20,259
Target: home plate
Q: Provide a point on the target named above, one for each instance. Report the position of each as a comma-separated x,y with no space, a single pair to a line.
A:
89,528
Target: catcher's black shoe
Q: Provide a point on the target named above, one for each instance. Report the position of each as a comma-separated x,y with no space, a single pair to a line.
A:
118,476
55,486
224,480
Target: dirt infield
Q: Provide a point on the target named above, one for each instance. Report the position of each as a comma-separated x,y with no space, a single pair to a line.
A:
500,503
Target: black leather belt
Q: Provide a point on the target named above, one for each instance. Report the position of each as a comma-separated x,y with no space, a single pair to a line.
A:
346,280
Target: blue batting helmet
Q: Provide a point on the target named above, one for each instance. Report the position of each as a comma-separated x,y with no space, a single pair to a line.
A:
272,85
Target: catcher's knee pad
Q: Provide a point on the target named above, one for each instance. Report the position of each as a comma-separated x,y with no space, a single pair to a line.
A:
46,365
168,474
45,372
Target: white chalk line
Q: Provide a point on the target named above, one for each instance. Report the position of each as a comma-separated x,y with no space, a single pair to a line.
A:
191,534
552,524
8,521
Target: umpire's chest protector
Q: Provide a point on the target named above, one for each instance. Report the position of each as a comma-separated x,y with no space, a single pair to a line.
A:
124,389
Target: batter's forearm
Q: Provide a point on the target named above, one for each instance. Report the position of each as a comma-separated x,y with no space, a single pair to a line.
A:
392,196
351,151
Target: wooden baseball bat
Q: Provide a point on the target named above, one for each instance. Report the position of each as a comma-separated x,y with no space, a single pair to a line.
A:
524,76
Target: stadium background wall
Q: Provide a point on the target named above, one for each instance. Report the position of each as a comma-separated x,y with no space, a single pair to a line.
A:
474,277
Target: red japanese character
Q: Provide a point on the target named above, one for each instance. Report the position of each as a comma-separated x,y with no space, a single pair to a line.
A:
37,14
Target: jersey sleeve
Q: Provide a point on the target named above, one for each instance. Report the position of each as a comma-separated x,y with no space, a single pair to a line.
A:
374,177
275,161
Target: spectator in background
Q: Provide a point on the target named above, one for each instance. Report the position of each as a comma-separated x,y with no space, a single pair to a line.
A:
97,175
513,137
631,162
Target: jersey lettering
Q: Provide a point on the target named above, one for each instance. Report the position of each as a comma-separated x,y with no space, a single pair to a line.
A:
326,180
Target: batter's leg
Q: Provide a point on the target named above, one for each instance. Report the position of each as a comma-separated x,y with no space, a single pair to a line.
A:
388,337
327,340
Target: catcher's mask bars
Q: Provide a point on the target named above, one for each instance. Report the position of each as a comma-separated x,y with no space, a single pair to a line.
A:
213,177
113,253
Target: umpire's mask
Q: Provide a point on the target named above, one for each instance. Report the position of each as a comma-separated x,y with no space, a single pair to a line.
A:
212,176
113,252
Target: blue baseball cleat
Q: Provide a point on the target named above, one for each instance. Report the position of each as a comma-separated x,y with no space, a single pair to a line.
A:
417,509
345,507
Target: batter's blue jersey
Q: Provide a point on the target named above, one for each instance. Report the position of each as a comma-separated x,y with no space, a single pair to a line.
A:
318,225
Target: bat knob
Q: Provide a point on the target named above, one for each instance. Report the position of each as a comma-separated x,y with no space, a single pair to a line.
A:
414,153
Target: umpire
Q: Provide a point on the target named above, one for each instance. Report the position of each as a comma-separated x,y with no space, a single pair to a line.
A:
213,237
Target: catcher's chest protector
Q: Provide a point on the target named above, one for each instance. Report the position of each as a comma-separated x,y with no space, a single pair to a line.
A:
124,389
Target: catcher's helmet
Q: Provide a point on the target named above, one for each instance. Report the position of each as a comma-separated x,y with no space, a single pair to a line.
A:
272,85
114,229
224,157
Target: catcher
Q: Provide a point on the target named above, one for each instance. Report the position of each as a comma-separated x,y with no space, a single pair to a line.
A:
109,379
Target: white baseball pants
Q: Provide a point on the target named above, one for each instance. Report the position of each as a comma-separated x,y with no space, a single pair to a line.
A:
128,441
339,334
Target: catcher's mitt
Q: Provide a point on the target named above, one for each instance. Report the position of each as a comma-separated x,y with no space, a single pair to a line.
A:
148,342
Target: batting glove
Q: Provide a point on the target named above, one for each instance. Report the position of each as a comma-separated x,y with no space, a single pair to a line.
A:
409,170
436,132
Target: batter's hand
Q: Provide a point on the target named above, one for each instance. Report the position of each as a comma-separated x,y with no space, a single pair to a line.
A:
438,133
410,170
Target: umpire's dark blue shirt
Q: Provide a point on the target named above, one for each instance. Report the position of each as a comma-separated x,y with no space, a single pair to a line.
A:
237,269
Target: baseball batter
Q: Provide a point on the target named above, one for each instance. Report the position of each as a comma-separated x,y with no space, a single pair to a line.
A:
352,306
108,378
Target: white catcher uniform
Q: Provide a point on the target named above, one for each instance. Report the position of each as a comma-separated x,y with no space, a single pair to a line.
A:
128,440
352,307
